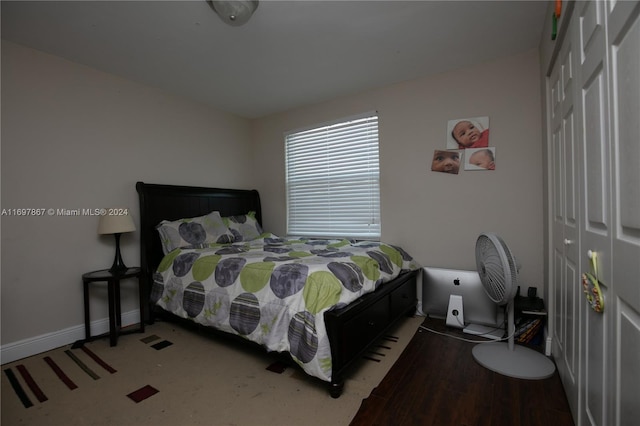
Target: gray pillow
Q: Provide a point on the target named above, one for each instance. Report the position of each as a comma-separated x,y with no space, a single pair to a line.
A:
196,232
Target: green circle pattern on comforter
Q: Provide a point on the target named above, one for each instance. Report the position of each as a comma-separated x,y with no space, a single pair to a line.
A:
274,291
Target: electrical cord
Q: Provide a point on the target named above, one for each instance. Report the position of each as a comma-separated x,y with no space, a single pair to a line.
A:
470,340
460,323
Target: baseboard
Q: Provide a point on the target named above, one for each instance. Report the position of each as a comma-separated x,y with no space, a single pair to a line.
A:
45,342
547,347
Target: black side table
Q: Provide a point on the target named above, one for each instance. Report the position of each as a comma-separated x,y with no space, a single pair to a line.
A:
113,293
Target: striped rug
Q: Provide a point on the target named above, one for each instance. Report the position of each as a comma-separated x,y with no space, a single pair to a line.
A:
172,375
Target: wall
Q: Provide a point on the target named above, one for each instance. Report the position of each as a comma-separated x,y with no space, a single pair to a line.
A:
435,216
73,137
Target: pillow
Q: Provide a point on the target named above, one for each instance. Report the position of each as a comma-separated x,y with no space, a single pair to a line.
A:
196,232
244,227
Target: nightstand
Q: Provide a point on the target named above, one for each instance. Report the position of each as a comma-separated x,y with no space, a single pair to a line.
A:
113,293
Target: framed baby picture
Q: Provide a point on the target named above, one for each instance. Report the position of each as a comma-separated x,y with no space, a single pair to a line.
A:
480,158
446,161
464,133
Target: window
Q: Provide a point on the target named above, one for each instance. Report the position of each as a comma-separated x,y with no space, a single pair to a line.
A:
333,180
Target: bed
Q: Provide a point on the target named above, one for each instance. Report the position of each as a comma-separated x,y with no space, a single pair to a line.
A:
322,302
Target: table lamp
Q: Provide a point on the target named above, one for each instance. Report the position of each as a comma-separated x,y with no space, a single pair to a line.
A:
116,221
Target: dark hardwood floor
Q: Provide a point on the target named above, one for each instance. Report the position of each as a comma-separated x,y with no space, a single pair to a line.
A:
437,382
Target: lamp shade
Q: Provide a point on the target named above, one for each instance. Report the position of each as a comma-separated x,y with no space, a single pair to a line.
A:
236,12
116,221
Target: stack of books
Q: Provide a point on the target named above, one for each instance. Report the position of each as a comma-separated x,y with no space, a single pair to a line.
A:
528,330
530,314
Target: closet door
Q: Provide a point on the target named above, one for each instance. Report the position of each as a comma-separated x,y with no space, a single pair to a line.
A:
596,223
599,363
565,294
623,28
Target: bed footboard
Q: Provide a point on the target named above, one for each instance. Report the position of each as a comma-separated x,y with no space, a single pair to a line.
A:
352,330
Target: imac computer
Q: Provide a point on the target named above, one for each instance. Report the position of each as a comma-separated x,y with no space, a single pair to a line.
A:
444,287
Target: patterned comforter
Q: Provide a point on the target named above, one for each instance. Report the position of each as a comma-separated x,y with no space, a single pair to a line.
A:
274,291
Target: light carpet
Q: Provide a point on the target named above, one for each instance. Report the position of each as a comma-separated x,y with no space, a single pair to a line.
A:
171,375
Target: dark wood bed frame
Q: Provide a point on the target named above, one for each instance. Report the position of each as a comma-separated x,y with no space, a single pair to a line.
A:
352,330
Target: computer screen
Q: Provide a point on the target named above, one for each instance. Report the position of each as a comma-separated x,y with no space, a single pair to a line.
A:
439,283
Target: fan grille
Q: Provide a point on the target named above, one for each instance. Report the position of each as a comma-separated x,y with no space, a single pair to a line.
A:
496,267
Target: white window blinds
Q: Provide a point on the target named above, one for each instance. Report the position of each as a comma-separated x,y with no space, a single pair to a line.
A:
333,180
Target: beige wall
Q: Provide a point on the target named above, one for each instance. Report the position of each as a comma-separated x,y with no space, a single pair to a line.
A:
73,137
435,216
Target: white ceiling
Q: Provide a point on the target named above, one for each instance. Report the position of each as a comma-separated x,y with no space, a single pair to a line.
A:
290,54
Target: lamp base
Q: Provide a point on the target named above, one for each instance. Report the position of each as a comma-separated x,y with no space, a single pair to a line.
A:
118,269
118,265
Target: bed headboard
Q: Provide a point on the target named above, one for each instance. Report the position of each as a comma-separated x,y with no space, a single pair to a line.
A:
171,202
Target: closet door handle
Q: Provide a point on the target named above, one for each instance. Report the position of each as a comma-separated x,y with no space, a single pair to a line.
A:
568,242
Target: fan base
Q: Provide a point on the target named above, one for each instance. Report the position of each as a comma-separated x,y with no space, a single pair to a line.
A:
519,362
